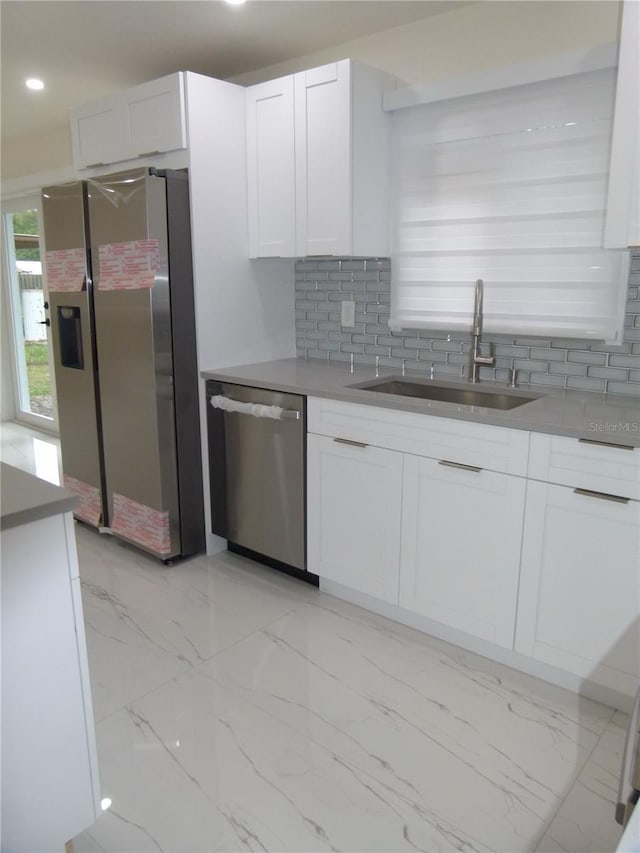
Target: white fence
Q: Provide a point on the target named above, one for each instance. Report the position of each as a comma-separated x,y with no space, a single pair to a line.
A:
32,302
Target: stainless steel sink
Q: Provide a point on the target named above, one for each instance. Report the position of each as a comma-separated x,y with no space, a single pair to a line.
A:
472,396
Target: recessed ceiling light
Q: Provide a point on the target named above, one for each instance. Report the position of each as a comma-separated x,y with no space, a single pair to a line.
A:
34,83
235,2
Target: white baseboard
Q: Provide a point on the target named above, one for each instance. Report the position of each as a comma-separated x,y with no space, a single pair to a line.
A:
583,687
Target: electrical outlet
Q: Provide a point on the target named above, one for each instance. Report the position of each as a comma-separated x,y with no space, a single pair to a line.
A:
348,317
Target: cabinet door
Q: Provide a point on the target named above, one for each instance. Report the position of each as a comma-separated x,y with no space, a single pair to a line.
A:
323,160
271,169
154,117
96,133
353,515
622,222
579,591
48,745
461,536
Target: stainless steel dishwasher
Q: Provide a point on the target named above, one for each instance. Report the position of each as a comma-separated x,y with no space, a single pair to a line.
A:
257,472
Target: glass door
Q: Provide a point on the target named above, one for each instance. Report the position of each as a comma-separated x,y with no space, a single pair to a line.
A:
26,301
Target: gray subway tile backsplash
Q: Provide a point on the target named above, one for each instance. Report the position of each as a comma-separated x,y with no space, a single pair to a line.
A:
547,354
322,283
587,357
547,379
625,361
622,388
609,373
579,383
567,368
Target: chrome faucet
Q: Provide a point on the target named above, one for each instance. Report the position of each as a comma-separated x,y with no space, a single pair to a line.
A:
476,358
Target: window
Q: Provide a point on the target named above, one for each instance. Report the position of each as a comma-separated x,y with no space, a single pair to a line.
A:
25,298
509,187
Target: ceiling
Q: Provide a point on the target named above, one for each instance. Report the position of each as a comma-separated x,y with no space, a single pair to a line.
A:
83,49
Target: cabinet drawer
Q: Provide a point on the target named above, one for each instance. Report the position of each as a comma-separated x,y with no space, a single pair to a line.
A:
481,445
611,469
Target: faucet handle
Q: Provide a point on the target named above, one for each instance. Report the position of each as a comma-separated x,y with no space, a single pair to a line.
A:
485,359
513,373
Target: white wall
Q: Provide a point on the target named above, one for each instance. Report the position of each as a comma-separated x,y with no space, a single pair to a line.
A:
36,153
7,390
470,38
7,399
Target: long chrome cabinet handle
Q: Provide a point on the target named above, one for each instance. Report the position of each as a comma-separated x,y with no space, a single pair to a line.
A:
349,442
606,444
602,495
449,464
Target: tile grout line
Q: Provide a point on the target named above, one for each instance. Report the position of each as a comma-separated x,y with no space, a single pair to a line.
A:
193,666
555,814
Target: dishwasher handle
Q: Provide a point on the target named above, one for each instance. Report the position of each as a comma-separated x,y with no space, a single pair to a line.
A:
256,410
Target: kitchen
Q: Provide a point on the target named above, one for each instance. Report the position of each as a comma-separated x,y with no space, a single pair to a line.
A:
266,331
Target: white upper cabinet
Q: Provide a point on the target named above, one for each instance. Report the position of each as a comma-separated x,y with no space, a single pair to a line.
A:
622,224
147,119
324,160
271,169
332,142
154,117
96,133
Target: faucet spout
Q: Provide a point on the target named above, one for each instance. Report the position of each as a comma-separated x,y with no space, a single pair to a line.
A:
476,358
477,307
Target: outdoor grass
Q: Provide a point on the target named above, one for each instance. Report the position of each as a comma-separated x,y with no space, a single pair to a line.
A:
37,369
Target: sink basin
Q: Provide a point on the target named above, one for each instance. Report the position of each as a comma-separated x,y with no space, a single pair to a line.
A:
471,396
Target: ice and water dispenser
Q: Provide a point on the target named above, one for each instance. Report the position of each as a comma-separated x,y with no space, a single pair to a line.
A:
70,336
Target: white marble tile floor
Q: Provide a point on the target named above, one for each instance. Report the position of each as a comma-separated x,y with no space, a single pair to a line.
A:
31,450
240,709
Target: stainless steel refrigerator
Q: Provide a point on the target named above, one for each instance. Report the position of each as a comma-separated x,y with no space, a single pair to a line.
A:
121,309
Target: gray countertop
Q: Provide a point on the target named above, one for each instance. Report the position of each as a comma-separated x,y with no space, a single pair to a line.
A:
600,417
25,498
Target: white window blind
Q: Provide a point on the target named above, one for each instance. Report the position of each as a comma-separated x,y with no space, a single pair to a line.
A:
509,187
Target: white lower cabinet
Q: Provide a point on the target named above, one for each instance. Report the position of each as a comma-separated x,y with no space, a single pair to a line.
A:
439,518
49,767
461,537
580,584
353,515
